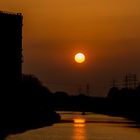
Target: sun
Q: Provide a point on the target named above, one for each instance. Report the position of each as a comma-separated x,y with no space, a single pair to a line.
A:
79,58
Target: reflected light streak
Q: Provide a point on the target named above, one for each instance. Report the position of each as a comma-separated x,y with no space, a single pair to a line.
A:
79,132
79,121
79,124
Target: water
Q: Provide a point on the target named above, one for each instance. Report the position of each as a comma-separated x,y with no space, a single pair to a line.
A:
74,127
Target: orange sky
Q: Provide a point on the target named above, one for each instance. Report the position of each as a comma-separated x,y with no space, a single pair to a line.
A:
107,31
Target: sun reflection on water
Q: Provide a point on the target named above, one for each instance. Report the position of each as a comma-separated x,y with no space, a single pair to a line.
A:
79,131
79,125
79,121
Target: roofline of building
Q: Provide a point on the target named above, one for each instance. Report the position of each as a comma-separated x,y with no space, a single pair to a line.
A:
10,13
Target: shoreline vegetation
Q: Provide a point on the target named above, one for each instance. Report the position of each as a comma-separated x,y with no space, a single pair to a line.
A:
123,102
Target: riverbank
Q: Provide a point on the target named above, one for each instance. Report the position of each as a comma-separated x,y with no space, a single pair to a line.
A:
15,127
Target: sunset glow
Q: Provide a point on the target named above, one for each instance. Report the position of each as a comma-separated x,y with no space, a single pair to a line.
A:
107,32
79,57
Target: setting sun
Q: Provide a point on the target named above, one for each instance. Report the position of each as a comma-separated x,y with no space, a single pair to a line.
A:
79,57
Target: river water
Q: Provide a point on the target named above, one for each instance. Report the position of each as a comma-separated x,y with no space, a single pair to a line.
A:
75,126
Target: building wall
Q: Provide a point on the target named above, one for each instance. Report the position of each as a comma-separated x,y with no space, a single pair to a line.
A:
10,49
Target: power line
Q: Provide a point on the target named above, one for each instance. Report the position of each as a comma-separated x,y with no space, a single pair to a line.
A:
130,81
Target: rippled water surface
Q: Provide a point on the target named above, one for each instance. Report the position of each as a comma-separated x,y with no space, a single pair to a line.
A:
75,126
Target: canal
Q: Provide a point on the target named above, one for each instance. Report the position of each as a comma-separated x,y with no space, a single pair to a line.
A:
75,126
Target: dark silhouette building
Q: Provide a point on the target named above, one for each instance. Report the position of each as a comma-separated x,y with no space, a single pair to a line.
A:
10,50
24,102
10,68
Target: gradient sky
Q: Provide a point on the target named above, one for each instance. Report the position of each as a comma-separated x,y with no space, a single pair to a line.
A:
107,31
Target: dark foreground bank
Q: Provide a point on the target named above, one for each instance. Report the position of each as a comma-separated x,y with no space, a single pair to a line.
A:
27,107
